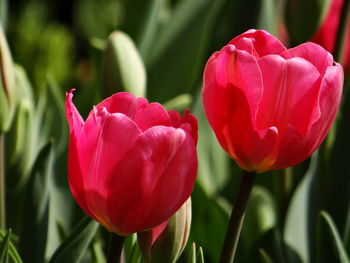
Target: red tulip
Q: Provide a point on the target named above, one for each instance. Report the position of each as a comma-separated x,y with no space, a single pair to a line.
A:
131,164
270,107
326,34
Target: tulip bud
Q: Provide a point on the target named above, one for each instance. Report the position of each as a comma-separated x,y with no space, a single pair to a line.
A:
122,66
22,139
166,242
7,83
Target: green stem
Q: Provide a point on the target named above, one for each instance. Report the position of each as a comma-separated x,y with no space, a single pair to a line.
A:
236,220
284,187
341,32
115,248
2,183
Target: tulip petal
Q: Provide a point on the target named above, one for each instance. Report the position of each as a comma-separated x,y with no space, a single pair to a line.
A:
290,94
144,114
248,146
214,96
188,122
75,176
295,148
175,118
225,70
102,143
156,231
329,101
313,53
247,44
232,91
264,43
122,102
150,115
160,184
292,149
75,121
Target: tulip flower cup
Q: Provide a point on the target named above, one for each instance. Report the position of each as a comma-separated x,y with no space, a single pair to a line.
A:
270,108
131,164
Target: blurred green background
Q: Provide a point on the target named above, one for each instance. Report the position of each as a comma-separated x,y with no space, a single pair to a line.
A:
59,45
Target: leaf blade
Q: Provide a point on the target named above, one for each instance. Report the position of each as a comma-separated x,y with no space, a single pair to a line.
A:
75,245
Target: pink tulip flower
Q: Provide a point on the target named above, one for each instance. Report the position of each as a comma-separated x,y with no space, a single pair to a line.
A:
270,107
326,34
131,164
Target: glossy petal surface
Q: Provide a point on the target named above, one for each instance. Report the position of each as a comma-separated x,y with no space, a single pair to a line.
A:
131,164
158,178
270,107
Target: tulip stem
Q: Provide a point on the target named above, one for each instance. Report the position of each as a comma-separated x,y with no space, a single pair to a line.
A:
341,32
115,248
284,188
2,183
237,216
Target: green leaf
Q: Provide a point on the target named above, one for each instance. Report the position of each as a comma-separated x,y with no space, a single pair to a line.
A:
61,230
98,43
268,16
56,115
200,255
195,255
13,238
179,103
298,231
329,243
239,16
264,256
336,184
34,231
23,139
192,258
99,254
177,56
209,219
143,23
131,248
303,18
3,12
76,244
261,215
122,67
272,243
4,248
16,137
98,18
6,64
7,80
50,118
42,45
4,109
12,250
